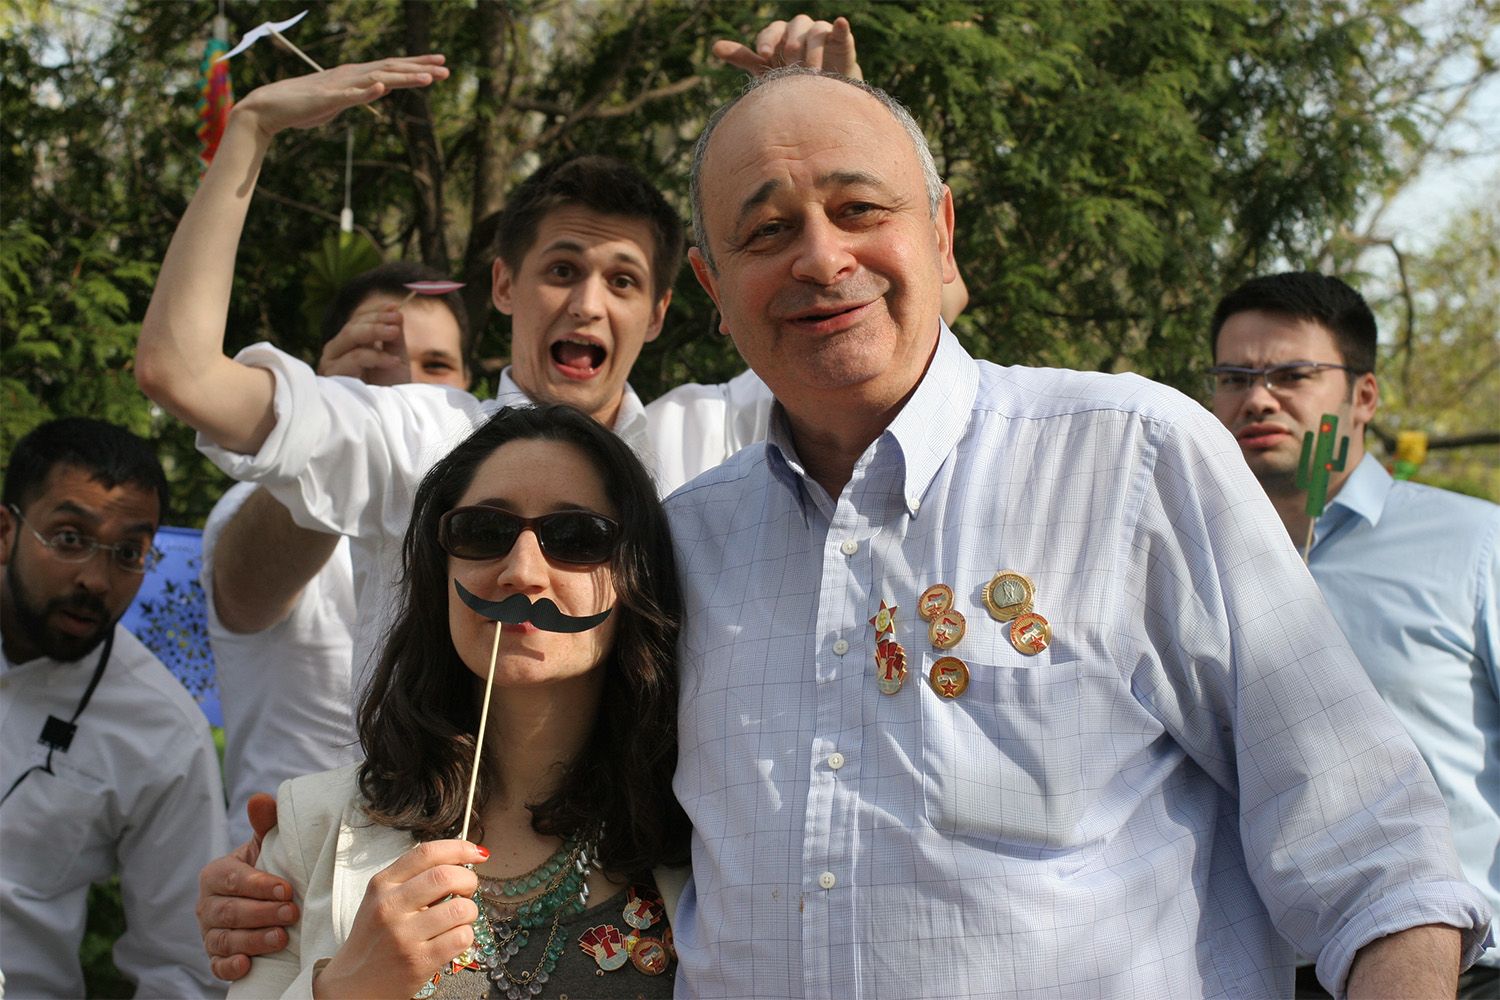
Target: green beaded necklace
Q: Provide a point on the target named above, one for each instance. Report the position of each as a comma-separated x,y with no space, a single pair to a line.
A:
563,881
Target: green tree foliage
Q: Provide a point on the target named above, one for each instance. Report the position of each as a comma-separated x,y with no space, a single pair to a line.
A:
1441,373
1116,166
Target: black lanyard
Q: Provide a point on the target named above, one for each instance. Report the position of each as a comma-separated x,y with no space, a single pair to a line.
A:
57,734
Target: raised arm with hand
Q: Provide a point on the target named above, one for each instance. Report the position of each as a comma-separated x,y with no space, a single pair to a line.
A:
819,44
180,361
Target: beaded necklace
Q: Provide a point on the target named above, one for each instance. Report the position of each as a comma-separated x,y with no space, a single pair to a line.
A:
563,883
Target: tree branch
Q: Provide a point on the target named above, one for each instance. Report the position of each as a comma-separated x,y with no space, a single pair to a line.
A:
423,152
554,110
262,191
1387,439
1409,336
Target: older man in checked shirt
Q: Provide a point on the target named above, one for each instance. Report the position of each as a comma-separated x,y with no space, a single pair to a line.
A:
1158,779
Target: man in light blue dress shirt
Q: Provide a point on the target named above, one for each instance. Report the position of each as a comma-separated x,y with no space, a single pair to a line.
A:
1411,573
1155,776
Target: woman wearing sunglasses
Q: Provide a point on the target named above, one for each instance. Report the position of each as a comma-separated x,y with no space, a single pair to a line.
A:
546,521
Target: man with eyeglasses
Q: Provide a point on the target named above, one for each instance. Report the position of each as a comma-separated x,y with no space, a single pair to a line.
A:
106,762
1411,573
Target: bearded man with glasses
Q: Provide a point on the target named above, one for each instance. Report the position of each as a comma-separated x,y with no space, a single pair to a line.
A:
1411,573
106,762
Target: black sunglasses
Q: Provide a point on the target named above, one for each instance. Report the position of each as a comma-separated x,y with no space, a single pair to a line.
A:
567,536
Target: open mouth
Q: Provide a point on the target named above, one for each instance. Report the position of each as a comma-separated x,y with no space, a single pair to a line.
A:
77,623
579,357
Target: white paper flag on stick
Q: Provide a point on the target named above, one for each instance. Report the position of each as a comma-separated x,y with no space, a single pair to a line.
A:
256,34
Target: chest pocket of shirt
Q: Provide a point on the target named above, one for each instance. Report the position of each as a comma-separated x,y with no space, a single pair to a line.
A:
1019,756
47,824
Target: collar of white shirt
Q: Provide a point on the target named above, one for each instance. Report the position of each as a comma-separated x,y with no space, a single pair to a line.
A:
924,432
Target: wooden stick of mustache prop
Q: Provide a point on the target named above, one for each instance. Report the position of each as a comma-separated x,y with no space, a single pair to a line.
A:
514,610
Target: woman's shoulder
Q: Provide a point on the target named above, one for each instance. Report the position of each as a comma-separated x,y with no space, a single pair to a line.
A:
317,798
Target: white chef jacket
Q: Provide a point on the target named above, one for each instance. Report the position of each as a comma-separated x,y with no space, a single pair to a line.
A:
138,792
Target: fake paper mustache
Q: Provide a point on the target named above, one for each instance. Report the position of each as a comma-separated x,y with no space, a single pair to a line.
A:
517,609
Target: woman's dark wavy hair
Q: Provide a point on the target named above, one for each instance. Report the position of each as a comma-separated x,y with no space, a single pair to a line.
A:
418,720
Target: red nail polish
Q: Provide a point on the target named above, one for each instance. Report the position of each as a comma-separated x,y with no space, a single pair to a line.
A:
482,852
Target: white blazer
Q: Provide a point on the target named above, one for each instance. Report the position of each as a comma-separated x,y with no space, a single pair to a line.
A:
325,846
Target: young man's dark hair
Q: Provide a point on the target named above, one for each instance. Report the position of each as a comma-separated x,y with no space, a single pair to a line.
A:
391,278
599,184
111,455
1307,295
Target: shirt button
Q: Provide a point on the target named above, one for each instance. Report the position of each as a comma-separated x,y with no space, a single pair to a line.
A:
913,504
826,880
835,760
849,547
841,646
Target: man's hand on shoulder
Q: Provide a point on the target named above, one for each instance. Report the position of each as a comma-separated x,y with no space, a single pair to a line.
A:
242,911
819,44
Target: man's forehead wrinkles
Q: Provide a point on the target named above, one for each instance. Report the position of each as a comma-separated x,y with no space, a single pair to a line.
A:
847,178
623,254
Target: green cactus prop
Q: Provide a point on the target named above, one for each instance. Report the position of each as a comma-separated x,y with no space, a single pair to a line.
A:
1317,463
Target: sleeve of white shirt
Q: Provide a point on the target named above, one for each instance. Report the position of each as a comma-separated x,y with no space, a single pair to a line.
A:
344,456
695,427
1344,832
175,829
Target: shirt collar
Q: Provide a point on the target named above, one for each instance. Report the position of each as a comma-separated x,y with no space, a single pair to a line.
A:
925,431
507,393
1365,491
630,421
937,415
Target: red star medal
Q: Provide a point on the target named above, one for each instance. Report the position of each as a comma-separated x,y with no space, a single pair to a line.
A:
949,677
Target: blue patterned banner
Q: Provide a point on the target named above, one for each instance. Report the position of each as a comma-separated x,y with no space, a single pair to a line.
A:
169,616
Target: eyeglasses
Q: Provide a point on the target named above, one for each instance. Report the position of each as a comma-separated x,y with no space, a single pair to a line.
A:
1231,380
69,546
567,536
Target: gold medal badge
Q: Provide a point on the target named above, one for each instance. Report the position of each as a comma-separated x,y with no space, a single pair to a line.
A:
1008,594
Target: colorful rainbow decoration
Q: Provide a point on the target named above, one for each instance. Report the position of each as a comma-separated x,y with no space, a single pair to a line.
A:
216,96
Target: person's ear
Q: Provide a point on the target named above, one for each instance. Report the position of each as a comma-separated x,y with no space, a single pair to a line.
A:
502,287
658,316
944,223
1366,398
709,281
